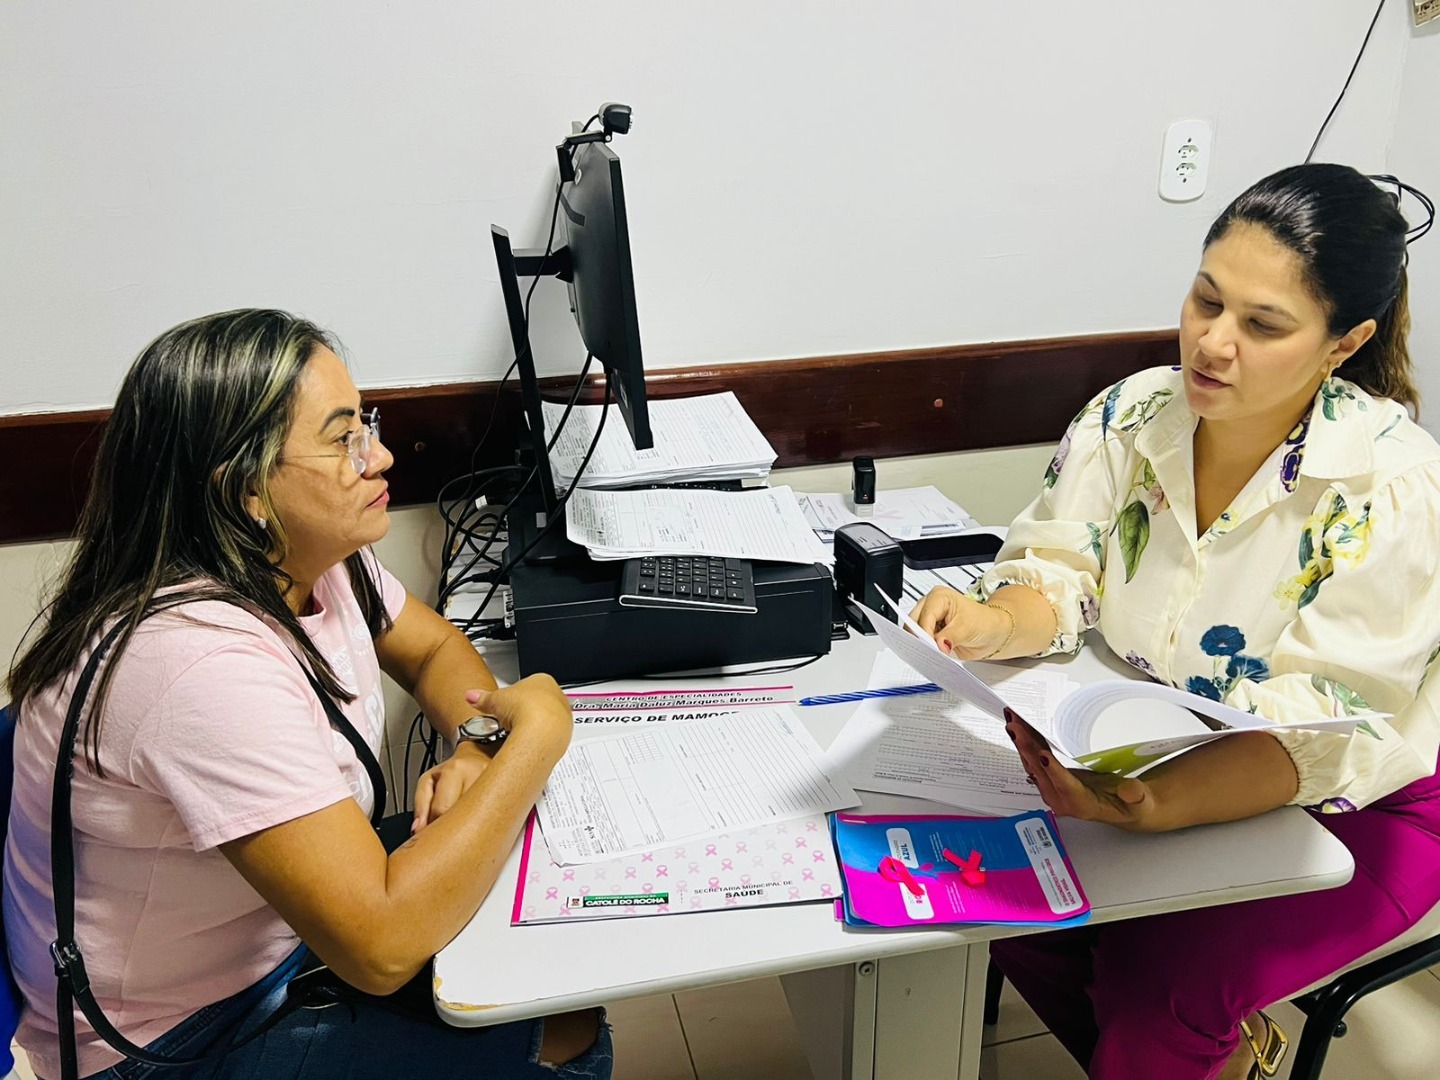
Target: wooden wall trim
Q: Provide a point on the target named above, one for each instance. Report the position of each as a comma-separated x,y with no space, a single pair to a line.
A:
814,411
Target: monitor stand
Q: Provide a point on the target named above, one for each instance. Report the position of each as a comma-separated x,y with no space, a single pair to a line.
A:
525,519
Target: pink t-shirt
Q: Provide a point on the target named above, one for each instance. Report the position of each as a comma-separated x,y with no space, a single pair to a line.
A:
211,732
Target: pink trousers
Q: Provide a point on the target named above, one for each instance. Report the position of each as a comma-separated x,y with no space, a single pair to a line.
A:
1163,996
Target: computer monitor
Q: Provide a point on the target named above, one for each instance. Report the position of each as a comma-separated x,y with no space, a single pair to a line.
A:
602,285
594,261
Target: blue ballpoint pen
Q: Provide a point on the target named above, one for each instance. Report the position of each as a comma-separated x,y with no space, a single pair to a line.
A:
861,695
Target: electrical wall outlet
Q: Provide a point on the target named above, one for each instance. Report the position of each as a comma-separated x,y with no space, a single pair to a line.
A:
1425,10
1185,161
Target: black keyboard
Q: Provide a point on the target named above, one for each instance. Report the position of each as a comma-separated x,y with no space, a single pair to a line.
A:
692,582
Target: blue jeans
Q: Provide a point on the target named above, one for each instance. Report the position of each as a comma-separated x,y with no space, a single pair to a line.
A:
368,1037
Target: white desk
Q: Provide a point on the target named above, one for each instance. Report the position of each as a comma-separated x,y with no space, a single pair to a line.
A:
869,1004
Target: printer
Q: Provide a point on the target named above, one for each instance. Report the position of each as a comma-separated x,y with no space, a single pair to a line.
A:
569,622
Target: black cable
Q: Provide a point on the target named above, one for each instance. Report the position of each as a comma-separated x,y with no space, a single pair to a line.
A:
1413,232
1353,67
449,586
513,560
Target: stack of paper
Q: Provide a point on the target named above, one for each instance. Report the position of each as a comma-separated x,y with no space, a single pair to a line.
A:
765,524
905,513
700,438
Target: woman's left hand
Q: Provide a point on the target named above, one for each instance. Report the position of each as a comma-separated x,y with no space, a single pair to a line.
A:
438,789
1079,793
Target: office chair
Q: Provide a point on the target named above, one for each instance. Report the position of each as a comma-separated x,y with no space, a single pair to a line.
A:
1324,1007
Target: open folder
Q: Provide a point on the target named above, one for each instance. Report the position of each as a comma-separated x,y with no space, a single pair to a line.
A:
1071,728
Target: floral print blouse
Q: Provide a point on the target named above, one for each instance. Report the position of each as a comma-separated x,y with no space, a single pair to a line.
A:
1315,593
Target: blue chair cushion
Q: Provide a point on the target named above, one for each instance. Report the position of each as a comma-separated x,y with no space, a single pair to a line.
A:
9,992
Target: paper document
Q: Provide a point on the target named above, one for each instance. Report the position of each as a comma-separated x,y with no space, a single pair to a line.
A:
765,524
710,437
903,513
788,862
941,747
623,794
1071,727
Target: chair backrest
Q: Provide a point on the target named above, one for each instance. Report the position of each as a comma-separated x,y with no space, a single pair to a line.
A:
9,992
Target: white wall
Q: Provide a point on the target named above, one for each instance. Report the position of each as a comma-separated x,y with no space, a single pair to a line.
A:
805,178
1415,158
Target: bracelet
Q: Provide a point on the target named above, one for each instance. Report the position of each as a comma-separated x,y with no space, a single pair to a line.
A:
1011,615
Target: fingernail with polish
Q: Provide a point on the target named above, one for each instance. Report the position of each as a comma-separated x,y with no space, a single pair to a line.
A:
1045,761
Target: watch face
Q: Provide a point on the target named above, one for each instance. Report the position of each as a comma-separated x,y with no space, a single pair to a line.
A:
483,729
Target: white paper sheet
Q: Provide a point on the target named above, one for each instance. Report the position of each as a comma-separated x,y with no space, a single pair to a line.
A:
940,747
764,524
1070,729
904,513
707,437
919,650
617,795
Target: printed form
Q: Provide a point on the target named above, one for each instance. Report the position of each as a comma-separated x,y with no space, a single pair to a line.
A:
763,524
618,795
709,436
941,747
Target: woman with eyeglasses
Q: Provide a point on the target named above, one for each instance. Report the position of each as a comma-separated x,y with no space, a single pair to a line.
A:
222,834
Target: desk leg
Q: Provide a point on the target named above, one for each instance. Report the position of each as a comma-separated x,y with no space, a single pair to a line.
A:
913,1017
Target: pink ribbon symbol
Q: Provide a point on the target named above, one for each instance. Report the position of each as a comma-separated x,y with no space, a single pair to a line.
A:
649,856
740,847
714,883
694,868
600,873
630,871
662,871
679,853
824,890
584,890
817,856
769,845
568,875
552,893
800,841
758,860
647,887
807,874
726,864
787,858
710,850
744,879
695,903
971,871
892,869
810,826
534,875
794,893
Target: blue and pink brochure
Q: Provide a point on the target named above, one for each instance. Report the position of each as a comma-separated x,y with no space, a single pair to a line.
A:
917,871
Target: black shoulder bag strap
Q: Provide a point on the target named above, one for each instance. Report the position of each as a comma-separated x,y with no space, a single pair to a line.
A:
72,983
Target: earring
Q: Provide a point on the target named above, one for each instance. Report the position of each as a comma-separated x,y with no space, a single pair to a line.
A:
262,523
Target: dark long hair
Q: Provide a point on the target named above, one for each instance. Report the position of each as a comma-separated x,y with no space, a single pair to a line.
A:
1349,236
198,426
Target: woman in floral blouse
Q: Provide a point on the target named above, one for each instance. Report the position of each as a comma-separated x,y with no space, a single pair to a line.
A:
1260,526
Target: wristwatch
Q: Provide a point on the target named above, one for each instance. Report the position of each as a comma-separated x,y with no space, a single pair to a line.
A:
485,730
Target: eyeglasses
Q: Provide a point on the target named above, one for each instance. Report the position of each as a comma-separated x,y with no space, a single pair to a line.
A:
359,445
